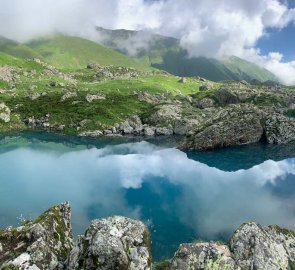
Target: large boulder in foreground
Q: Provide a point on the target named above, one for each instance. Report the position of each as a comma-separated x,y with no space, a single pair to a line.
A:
252,247
41,244
202,256
115,243
257,247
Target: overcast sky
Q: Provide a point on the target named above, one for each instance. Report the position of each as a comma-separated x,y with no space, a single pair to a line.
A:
261,31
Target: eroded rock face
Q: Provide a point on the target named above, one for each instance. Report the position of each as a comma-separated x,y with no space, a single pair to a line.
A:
200,256
119,243
42,244
251,247
115,243
236,125
257,247
279,129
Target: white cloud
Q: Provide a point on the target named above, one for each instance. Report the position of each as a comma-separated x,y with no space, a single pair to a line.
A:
285,71
212,28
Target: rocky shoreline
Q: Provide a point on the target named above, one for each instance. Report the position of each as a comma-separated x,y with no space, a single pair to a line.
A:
112,101
119,243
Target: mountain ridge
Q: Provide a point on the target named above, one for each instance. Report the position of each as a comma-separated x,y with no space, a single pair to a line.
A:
166,53
154,52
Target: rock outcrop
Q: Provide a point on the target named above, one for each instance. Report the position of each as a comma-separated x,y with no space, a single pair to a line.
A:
41,244
279,129
257,247
202,256
120,243
113,243
235,125
251,247
240,124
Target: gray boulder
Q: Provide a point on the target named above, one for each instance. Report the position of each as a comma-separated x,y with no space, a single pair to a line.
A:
257,247
206,87
68,95
199,256
165,131
165,114
225,97
149,131
235,125
98,96
279,129
115,243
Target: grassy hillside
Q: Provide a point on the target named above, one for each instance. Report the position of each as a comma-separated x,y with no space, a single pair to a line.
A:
16,49
73,53
29,92
165,53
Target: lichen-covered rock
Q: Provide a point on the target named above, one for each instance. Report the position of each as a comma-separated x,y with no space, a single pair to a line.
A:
204,103
115,243
149,131
68,95
41,244
199,256
4,113
165,114
225,97
235,125
185,125
132,125
98,96
257,247
279,129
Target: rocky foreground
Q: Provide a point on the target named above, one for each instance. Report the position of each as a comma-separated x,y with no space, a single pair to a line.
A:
119,243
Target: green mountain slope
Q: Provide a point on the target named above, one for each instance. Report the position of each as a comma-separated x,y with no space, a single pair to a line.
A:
72,53
16,49
165,53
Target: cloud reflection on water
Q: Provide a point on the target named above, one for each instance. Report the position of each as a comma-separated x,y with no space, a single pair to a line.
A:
96,182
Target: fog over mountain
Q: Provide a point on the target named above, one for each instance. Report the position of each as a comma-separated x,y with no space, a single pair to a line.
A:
211,28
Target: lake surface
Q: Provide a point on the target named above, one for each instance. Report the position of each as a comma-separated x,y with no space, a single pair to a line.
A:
181,196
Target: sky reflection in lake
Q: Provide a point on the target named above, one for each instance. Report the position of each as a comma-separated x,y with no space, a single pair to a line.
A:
179,198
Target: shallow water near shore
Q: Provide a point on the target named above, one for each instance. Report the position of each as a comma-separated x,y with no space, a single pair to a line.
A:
182,197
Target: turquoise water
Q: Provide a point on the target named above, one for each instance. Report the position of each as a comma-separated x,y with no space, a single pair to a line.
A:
182,197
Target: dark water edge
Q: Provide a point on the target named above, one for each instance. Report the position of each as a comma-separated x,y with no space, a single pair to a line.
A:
226,159
203,196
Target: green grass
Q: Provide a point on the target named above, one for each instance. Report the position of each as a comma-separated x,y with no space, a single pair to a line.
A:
151,83
101,113
67,52
9,60
17,49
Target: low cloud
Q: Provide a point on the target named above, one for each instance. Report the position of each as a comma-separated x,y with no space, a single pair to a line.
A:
211,28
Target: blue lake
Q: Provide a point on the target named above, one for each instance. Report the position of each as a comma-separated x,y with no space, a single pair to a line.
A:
182,197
